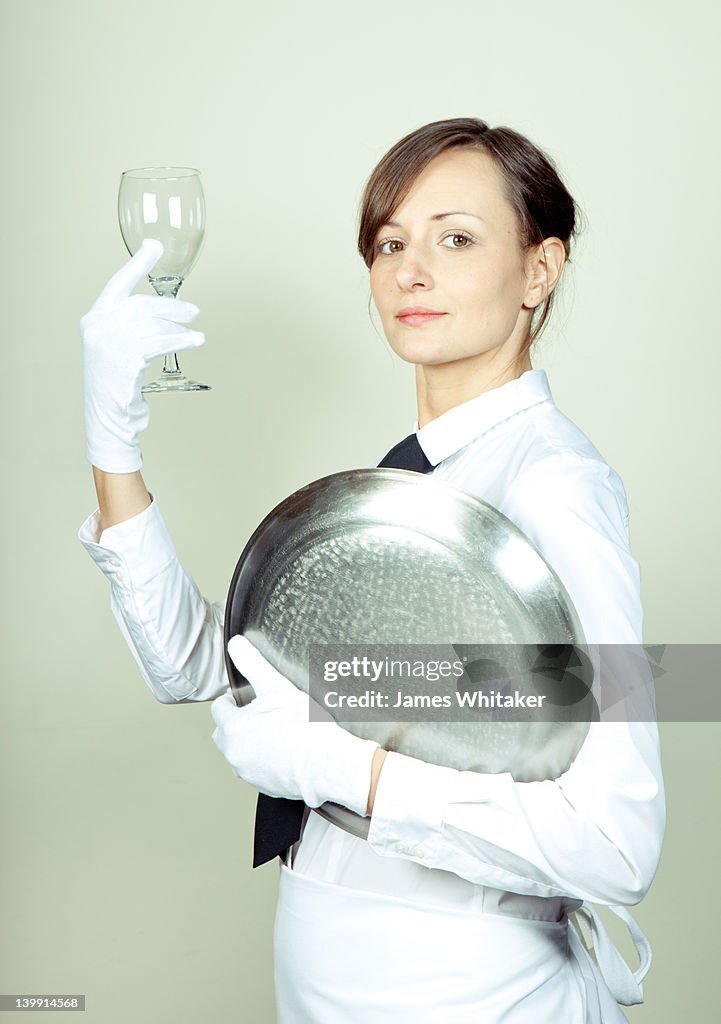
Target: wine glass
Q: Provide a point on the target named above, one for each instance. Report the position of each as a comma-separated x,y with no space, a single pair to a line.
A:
166,203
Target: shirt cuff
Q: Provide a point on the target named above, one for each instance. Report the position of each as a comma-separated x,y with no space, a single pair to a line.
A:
409,808
140,545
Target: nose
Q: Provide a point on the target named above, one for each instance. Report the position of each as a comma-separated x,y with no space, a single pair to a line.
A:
413,270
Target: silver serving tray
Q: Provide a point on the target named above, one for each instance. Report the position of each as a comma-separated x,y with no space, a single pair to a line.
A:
390,556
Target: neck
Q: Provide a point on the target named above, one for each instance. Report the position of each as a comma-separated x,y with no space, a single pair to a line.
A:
442,386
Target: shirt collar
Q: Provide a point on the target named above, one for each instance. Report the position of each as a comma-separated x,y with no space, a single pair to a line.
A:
453,430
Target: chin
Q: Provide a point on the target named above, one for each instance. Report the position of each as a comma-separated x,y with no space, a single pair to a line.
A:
421,358
429,355
418,350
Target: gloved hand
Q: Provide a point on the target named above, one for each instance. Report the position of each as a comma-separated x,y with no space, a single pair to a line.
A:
273,745
121,334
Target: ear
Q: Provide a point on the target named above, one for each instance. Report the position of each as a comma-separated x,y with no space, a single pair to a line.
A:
543,267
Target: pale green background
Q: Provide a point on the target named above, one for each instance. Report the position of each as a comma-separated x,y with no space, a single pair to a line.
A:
126,838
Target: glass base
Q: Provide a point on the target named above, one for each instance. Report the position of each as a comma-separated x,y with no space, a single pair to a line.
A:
170,381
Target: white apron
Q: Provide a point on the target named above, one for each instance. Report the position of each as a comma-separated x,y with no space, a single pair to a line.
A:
363,957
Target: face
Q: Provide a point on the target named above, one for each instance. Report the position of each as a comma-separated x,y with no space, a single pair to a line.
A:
452,248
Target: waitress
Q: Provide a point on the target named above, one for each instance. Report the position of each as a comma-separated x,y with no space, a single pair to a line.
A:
462,905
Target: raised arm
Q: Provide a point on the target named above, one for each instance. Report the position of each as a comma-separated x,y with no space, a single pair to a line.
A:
174,633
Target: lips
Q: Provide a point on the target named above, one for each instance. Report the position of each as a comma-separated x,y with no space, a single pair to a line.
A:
414,316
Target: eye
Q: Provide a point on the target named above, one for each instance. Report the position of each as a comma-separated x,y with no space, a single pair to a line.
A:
459,239
382,247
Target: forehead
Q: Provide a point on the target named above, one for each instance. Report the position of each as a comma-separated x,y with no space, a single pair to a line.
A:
460,179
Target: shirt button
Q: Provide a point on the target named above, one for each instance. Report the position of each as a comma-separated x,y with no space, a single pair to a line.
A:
121,577
400,847
420,852
114,563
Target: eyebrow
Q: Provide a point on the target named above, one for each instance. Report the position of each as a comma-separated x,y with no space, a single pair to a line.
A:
438,216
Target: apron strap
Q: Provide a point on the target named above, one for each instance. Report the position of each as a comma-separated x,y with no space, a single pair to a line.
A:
624,984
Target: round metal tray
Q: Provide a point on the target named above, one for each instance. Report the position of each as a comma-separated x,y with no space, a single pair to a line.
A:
388,556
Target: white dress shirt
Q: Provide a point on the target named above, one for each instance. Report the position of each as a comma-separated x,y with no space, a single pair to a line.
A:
595,833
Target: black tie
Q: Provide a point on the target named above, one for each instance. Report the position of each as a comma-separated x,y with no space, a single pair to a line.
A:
278,821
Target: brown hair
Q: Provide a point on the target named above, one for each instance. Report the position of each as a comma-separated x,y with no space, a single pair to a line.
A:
544,207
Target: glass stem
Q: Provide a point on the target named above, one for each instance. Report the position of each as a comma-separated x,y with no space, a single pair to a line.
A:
168,286
170,364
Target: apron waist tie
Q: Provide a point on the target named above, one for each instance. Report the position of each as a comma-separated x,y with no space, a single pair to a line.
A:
624,984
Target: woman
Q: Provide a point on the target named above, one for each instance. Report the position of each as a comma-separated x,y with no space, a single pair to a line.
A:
456,908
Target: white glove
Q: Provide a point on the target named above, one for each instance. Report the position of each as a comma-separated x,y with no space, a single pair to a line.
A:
121,334
273,745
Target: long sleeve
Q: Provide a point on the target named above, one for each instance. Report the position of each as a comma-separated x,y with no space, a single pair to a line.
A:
174,633
595,832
